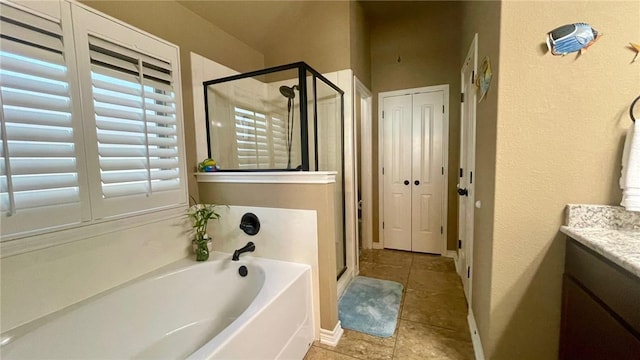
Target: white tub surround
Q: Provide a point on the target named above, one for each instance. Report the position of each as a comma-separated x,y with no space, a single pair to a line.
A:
285,234
186,309
611,231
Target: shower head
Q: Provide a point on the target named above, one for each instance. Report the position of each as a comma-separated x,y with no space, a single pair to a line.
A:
288,91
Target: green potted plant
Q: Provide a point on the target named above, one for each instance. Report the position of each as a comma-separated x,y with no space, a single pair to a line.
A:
200,214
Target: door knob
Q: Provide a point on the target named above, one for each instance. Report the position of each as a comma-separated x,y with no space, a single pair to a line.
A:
406,182
417,182
463,192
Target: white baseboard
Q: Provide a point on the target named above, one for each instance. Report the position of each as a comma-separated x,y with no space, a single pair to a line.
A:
454,255
377,245
331,337
475,336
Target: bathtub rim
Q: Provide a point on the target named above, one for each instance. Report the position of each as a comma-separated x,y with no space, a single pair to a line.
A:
181,265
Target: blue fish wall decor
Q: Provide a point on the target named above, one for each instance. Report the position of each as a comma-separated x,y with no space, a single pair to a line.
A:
571,38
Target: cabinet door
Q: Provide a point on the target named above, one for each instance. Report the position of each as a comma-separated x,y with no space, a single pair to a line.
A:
590,331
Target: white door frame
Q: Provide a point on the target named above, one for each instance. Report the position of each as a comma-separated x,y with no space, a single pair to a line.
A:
445,155
472,59
366,190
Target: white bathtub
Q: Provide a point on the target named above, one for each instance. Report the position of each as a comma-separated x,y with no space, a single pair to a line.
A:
184,310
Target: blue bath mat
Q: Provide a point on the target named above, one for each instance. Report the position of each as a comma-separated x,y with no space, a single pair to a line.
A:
370,306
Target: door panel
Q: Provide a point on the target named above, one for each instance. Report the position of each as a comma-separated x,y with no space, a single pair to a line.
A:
397,170
427,179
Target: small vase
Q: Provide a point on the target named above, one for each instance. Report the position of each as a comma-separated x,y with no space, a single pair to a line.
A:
202,246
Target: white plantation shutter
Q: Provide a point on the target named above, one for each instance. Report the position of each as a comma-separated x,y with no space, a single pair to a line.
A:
136,127
261,140
251,139
279,142
40,186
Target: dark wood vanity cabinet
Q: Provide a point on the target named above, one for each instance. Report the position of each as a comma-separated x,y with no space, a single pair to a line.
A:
600,308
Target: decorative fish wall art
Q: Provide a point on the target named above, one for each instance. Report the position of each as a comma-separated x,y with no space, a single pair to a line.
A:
571,38
635,47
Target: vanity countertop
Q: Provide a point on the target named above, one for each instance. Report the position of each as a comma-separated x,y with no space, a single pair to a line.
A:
610,231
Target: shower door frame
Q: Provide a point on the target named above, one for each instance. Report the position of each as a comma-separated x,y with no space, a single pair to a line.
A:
303,70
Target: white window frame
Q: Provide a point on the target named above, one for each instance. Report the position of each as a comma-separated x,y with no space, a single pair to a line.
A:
86,20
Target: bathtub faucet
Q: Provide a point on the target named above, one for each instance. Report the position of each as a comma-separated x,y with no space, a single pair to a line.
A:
250,247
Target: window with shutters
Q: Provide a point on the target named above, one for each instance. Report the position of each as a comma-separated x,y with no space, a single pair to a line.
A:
90,126
261,140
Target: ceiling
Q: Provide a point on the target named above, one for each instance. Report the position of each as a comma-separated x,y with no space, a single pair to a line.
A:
257,23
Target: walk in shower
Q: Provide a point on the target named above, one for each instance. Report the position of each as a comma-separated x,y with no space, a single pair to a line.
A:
284,118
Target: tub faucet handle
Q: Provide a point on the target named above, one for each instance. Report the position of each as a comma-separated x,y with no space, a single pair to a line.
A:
250,247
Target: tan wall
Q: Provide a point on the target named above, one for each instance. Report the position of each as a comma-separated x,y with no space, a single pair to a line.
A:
319,37
360,43
175,23
318,197
483,18
558,140
426,37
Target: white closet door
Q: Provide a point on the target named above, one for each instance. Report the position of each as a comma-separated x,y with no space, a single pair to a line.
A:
397,132
427,178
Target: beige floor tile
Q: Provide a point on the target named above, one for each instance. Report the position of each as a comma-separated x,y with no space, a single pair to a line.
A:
434,281
397,273
442,309
364,346
316,353
433,263
387,257
423,342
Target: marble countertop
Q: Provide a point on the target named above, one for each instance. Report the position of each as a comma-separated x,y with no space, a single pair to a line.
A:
610,231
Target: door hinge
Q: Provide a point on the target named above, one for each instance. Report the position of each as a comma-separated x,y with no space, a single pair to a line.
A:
383,114
470,177
459,244
461,172
441,230
461,97
443,109
383,170
473,77
468,272
383,225
443,170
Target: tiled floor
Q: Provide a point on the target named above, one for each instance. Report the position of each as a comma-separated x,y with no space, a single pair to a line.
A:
433,313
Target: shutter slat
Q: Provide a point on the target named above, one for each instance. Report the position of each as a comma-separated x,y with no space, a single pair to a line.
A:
165,185
166,131
40,69
116,78
37,199
30,19
25,82
159,97
165,109
129,114
118,139
19,98
42,150
24,166
156,74
114,99
157,141
37,182
164,163
34,133
165,120
136,127
107,164
33,37
36,117
113,61
12,47
125,189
